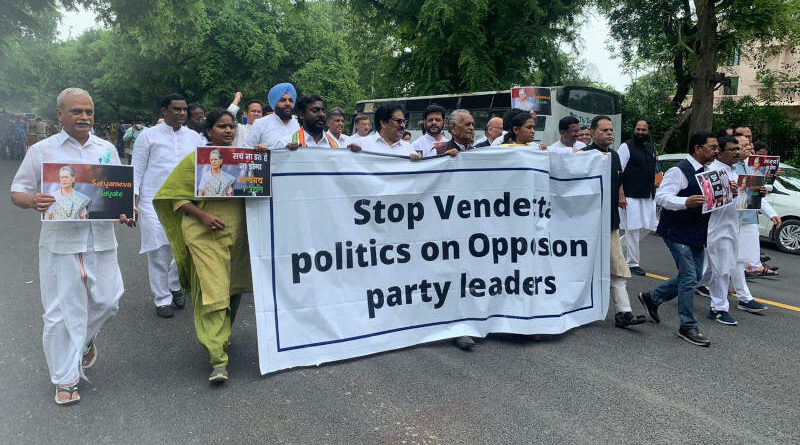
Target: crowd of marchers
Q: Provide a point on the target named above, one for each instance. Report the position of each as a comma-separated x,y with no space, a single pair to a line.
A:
200,245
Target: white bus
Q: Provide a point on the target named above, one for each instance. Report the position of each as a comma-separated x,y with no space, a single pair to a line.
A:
582,102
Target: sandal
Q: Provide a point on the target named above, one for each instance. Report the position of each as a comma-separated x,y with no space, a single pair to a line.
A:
88,358
71,391
766,272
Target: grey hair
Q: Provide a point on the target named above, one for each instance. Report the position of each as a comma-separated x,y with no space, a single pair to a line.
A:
455,115
336,111
70,92
68,169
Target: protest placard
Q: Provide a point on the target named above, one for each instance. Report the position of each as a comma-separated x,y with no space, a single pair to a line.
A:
231,172
764,165
749,192
716,188
357,253
537,99
87,192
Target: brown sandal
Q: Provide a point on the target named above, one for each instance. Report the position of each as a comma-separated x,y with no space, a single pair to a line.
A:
71,391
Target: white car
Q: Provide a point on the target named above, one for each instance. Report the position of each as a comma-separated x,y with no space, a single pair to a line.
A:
784,198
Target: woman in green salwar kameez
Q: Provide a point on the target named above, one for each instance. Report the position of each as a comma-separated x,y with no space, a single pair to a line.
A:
209,240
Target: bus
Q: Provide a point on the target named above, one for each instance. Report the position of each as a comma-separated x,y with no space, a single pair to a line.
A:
582,102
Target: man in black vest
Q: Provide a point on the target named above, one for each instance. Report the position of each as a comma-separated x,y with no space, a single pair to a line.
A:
684,229
638,159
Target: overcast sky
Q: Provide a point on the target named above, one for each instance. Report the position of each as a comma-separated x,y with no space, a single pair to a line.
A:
599,64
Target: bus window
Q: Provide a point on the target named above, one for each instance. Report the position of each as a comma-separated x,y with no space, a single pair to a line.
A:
502,100
448,103
414,120
416,104
476,101
588,101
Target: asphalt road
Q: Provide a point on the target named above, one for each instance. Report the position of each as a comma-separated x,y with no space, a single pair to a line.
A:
595,384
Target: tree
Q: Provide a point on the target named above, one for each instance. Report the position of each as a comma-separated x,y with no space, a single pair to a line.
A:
693,38
452,46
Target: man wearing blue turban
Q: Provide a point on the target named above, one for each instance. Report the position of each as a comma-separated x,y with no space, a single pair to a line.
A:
268,130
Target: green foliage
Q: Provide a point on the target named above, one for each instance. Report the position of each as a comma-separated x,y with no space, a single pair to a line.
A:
452,46
769,123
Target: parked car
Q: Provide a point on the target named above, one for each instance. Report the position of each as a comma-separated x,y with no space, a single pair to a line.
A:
784,197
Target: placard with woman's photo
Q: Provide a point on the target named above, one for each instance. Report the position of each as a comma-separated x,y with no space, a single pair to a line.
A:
231,172
87,192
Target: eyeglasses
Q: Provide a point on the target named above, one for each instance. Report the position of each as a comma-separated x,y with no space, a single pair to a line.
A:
400,121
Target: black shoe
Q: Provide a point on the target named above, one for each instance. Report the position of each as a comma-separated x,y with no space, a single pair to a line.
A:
650,307
703,291
165,311
693,336
636,270
466,343
625,319
178,299
765,258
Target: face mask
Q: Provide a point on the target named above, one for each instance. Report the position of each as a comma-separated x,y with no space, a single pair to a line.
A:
139,126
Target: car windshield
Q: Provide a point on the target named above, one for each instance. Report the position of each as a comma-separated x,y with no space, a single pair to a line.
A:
790,178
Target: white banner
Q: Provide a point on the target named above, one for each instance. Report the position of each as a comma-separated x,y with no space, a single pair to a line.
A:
357,253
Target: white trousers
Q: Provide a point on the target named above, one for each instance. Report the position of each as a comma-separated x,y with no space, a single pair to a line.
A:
718,286
631,242
750,246
163,273
619,294
80,292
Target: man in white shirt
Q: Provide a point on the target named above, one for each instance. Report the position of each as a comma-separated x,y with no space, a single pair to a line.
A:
156,153
493,134
684,230
568,128
433,120
253,111
79,274
311,115
268,130
723,265
390,120
362,126
335,120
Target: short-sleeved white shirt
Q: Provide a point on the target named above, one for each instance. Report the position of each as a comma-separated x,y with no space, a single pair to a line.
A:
66,237
374,143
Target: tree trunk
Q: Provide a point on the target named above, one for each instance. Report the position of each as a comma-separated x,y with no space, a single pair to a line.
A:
705,72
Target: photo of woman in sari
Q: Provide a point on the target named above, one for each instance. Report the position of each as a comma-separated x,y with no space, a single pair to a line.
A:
70,203
216,182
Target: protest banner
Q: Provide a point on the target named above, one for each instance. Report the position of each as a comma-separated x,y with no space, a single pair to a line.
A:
87,192
231,172
716,188
764,165
356,254
537,99
749,192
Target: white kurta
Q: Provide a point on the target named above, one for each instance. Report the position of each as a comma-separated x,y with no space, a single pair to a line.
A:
425,145
269,130
723,231
374,143
286,140
341,140
559,147
640,212
156,153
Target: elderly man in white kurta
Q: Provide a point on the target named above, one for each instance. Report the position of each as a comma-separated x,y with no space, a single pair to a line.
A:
157,151
79,276
722,249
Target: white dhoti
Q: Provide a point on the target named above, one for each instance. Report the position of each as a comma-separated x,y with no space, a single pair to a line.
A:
163,273
80,292
161,268
750,246
638,220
